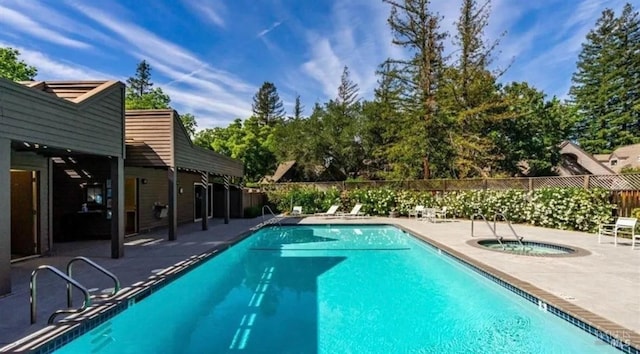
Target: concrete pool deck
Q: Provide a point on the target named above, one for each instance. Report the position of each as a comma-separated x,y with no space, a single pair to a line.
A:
606,282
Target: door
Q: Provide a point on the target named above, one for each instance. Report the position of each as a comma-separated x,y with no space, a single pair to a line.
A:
199,192
131,205
24,213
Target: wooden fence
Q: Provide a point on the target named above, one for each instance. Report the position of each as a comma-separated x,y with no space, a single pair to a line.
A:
625,189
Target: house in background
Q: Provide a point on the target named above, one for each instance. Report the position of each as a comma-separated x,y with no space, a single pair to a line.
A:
575,161
625,156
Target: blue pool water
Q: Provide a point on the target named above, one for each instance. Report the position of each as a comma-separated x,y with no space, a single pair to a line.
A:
334,289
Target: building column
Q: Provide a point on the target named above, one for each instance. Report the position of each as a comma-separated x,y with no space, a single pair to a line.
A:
5,216
226,199
117,207
204,201
172,213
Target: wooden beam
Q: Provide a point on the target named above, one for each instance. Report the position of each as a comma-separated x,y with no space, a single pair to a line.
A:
117,207
204,176
226,200
5,216
172,175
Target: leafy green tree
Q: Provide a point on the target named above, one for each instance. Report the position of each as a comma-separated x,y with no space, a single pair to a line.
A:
140,92
189,122
14,69
267,105
606,81
531,131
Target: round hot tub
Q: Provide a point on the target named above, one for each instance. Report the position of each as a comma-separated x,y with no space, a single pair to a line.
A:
529,248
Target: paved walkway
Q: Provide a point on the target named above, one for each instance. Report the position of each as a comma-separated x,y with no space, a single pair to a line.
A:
606,282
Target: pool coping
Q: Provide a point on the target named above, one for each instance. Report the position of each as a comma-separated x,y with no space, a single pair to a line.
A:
577,251
609,332
55,336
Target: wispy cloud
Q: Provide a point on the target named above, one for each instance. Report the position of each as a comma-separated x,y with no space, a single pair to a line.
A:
52,69
18,22
210,11
358,38
273,26
193,84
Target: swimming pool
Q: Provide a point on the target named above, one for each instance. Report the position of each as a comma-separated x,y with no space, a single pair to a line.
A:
334,289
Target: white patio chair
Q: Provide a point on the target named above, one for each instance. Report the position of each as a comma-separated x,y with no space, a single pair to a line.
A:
297,211
355,212
330,212
417,211
622,225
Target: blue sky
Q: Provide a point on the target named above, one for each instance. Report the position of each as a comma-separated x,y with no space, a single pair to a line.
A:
211,56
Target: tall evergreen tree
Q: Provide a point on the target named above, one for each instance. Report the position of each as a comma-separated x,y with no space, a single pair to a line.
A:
140,92
267,106
469,94
348,90
417,29
298,108
14,69
606,83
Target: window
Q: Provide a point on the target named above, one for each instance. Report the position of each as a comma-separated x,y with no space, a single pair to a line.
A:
614,162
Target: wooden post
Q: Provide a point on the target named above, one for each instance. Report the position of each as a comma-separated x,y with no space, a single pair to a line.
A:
5,216
117,207
226,200
586,182
172,213
530,184
204,201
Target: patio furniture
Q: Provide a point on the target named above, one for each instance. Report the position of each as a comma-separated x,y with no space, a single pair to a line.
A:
330,212
441,214
297,211
355,212
417,211
429,214
622,225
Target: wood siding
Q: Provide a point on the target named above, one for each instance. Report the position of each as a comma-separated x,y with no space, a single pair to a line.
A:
194,157
91,126
154,191
33,162
149,138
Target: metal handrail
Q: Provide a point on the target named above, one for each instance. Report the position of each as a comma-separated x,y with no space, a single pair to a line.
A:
86,260
270,211
33,290
513,231
493,230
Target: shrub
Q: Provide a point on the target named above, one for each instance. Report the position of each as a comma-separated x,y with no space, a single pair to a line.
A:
561,208
252,212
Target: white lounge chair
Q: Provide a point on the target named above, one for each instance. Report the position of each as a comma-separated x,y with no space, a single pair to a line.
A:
355,212
297,211
622,225
330,212
417,211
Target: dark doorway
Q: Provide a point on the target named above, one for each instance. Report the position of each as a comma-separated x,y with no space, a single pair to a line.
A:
131,205
199,192
24,213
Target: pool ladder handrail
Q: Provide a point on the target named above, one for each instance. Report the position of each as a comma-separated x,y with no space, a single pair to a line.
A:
116,281
493,230
275,219
33,291
513,231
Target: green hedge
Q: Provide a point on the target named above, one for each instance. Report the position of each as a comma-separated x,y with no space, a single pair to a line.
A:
561,208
